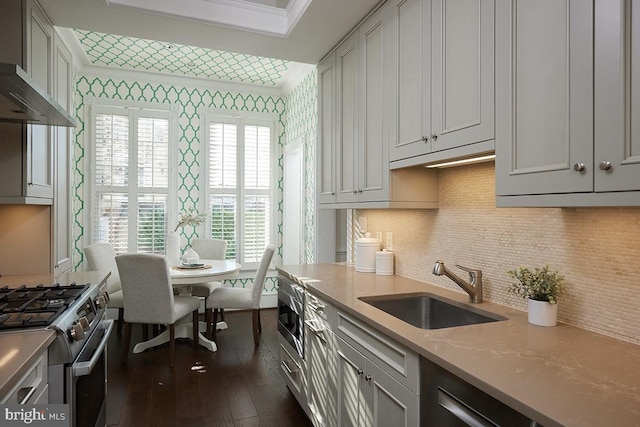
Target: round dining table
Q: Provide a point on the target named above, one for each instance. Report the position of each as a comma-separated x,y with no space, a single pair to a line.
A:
182,278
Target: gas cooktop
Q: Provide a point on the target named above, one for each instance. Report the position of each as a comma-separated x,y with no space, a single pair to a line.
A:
25,307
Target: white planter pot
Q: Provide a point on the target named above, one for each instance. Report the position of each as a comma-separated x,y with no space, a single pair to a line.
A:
542,313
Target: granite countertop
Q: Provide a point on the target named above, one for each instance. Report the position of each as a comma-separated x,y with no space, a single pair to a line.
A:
558,376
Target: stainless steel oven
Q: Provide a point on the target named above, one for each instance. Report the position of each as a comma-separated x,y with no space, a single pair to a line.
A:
86,380
77,370
291,314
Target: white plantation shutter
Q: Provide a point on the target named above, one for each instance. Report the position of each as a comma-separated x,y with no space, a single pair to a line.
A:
153,152
240,152
131,184
256,227
223,152
113,220
151,215
223,220
112,150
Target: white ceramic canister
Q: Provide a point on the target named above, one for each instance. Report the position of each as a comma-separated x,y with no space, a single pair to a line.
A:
384,263
366,248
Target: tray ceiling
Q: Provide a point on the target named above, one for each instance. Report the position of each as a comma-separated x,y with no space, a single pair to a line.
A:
130,53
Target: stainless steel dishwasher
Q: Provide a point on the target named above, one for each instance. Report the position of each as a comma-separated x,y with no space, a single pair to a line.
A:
448,401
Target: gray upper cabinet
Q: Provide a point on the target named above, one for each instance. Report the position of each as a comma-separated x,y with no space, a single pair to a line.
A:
565,118
362,155
63,136
354,126
347,120
617,96
410,68
443,68
26,151
326,176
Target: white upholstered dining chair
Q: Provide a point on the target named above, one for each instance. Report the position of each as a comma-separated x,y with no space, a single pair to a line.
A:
208,249
102,257
241,298
149,299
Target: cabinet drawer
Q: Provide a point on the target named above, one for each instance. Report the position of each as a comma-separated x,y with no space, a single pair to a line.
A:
399,362
291,369
31,386
318,310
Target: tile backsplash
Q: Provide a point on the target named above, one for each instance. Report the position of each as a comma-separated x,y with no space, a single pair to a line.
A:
596,249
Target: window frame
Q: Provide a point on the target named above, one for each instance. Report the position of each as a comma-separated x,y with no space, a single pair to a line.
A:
240,118
134,110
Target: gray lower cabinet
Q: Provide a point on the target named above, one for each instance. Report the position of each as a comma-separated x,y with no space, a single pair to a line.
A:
368,396
354,375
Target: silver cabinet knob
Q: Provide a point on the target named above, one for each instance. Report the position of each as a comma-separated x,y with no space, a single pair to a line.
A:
605,166
579,167
368,378
360,371
425,138
434,136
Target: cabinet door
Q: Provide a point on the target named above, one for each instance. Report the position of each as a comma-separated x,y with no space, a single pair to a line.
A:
372,155
347,123
617,95
545,99
63,67
326,130
410,76
350,366
320,360
39,54
388,402
462,73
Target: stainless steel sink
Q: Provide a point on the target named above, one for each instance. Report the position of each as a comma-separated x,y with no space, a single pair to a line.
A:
429,311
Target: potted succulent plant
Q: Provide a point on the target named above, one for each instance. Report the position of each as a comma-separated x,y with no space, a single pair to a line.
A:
541,287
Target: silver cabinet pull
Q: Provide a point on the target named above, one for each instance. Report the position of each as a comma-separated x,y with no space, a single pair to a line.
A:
24,394
579,167
462,411
315,306
286,367
605,165
316,331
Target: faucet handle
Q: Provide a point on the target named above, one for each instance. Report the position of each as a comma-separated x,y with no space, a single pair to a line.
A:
474,274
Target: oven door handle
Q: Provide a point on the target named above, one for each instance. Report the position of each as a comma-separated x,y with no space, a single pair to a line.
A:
84,368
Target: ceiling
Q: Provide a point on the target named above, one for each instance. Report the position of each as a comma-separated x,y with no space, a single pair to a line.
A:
318,29
130,53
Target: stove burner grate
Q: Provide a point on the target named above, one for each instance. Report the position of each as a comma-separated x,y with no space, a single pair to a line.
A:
24,306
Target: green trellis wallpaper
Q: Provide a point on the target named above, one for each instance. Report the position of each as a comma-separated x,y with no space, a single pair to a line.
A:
149,55
188,100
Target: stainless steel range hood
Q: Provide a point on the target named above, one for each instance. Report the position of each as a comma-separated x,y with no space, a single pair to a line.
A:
23,101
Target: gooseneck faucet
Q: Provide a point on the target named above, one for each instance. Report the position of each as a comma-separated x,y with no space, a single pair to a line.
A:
474,289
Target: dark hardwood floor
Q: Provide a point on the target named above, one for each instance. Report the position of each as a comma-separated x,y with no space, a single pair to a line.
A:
239,385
